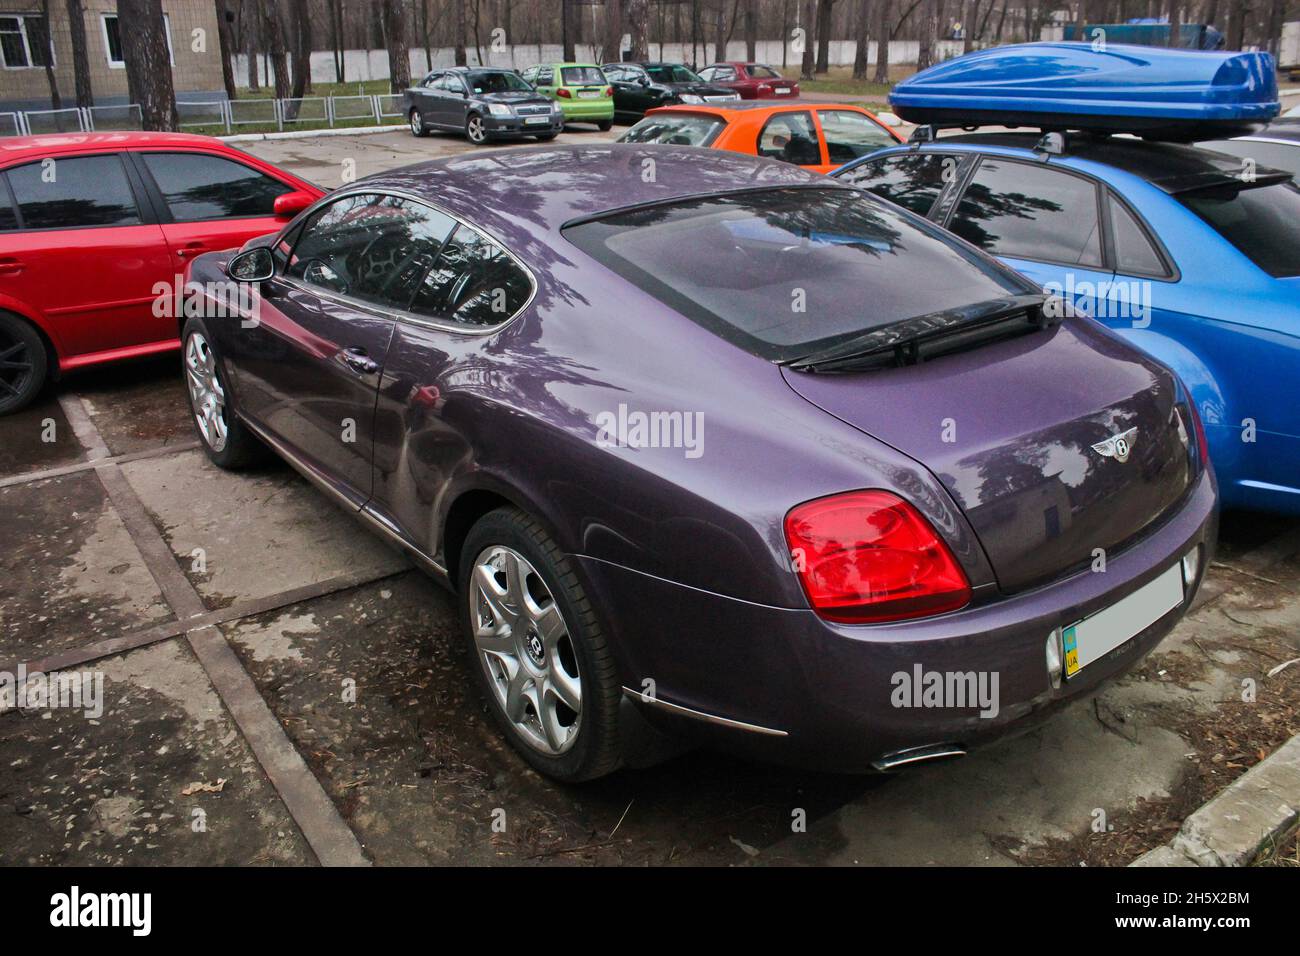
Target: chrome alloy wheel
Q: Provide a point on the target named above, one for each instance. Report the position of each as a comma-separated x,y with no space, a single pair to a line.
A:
525,648
417,123
475,130
207,397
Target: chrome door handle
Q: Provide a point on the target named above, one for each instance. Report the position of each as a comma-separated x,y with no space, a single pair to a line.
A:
359,361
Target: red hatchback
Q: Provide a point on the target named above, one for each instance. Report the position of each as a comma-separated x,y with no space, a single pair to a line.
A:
753,81
93,225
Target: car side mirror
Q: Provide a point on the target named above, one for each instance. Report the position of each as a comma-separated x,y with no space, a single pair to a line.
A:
290,204
251,265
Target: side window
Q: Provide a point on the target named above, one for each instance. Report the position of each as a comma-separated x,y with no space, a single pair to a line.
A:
724,74
1134,254
474,283
8,218
912,180
850,135
452,83
430,82
790,137
371,247
546,76
1031,212
530,75
197,187
82,191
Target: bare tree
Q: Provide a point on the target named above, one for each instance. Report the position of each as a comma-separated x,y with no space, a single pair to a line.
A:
302,44
337,40
148,64
611,47
1175,23
861,36
461,59
929,27
809,50
638,21
1236,24
824,11
46,43
751,29
249,17
883,35
275,46
223,38
399,47
80,58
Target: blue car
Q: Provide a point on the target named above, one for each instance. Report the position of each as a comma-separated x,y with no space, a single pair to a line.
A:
1190,254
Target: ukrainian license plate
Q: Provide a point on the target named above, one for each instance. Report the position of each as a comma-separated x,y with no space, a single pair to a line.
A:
536,120
782,91
1091,639
588,94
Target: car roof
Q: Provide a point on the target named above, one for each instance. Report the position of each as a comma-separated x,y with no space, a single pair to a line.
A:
19,147
525,195
756,106
1171,167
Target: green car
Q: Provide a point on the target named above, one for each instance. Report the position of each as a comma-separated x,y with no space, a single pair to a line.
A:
581,89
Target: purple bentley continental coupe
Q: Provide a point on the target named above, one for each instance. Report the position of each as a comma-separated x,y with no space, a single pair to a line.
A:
717,450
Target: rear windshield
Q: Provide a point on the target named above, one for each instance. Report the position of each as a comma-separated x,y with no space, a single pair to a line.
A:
674,130
1263,223
582,76
786,272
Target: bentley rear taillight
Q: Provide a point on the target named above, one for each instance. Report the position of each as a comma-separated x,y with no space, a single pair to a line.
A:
866,557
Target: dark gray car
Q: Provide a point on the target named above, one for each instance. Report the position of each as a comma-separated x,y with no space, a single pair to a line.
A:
482,103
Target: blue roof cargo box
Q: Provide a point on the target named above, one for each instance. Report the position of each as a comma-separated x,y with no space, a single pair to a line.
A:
1151,92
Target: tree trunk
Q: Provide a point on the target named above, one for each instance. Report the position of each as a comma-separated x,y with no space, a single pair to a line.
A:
275,46
248,26
226,45
566,31
80,59
337,40
751,29
824,11
47,41
928,26
883,33
1175,23
302,43
1236,24
809,37
861,36
968,13
611,47
399,47
148,66
461,58
638,21
720,32
1273,27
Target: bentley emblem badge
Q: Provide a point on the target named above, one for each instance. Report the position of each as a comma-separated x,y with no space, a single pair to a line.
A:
1118,446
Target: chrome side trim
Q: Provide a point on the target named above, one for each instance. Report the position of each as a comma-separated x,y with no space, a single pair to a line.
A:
914,755
386,528
638,697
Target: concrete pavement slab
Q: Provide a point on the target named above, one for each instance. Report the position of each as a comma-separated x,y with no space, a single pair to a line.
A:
252,534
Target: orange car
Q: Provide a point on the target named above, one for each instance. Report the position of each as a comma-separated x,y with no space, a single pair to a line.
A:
816,136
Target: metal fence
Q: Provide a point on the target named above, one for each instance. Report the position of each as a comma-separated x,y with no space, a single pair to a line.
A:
322,112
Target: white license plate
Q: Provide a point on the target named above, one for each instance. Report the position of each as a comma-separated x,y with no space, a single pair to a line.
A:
588,94
536,120
1096,636
782,92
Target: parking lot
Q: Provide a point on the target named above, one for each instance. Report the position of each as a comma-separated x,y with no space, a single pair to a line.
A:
281,688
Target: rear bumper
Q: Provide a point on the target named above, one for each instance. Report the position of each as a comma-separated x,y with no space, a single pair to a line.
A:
587,110
822,695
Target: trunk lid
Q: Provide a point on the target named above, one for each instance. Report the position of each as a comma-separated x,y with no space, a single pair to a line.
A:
1009,430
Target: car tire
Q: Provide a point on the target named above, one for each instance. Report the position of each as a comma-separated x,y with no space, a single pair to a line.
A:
417,123
509,636
24,363
227,441
475,132
605,125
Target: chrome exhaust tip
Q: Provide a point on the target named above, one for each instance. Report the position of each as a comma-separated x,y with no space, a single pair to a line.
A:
930,753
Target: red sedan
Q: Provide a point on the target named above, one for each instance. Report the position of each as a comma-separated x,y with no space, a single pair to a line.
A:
753,81
94,225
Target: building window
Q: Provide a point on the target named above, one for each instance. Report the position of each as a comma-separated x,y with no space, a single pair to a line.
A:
113,40
24,42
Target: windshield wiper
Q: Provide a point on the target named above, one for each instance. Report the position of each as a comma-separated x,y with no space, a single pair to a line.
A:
914,340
